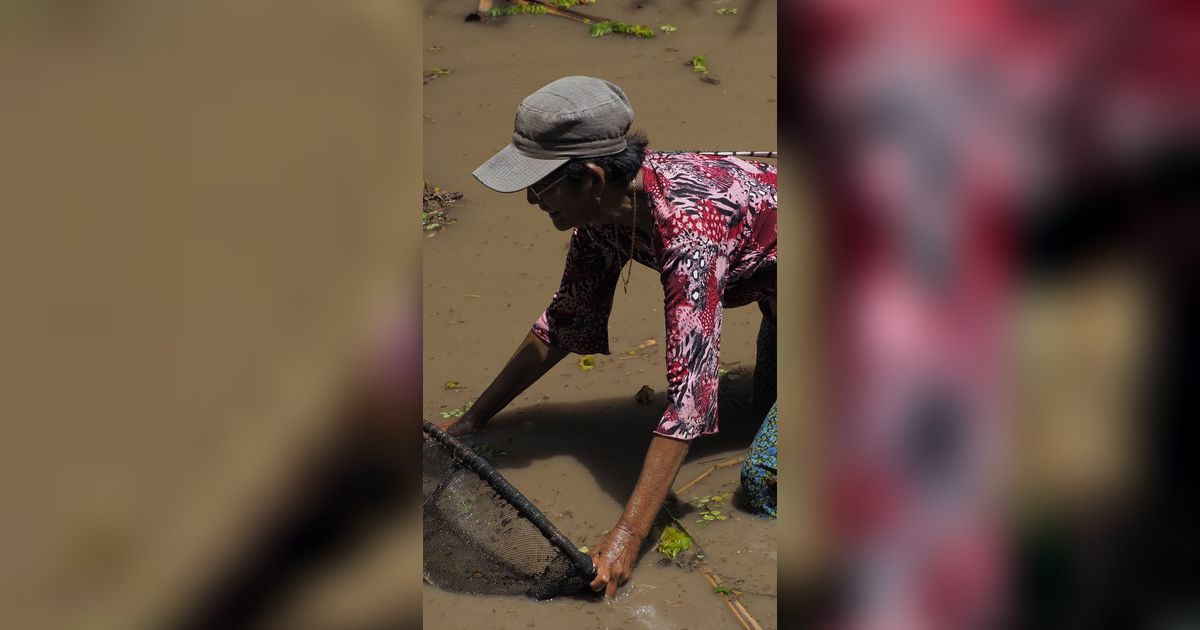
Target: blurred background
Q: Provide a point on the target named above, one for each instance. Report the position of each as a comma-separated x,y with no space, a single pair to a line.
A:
210,323
1007,200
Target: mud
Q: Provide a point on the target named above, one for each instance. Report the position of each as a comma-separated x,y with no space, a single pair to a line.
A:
574,442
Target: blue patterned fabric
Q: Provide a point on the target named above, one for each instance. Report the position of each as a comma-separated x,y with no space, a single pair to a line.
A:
759,468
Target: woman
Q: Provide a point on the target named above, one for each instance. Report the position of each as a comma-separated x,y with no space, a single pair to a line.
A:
705,223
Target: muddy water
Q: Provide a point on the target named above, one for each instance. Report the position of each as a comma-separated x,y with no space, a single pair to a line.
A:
574,441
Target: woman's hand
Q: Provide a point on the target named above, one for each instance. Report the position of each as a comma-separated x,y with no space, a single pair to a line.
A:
614,558
532,359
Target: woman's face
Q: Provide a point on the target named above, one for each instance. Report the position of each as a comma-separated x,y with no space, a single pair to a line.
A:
566,201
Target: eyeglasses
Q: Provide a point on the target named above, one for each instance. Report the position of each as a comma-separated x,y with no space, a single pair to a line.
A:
537,194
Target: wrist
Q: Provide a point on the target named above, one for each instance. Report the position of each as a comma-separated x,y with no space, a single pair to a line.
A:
631,530
475,416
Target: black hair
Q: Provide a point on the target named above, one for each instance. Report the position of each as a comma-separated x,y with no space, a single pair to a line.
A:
621,168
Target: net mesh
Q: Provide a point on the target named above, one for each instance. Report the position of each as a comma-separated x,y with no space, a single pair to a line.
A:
481,536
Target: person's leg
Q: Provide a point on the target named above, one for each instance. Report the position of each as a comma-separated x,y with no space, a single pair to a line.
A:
765,360
759,469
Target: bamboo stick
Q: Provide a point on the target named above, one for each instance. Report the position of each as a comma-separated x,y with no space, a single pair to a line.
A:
570,14
727,600
725,464
739,610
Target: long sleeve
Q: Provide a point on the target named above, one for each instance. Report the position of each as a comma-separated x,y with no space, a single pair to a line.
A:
693,278
577,318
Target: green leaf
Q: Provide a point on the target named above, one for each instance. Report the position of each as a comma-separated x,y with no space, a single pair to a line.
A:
535,9
587,362
673,541
668,28
722,589
457,413
609,27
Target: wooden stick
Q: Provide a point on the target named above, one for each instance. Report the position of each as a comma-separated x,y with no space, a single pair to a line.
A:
482,14
716,582
747,621
714,459
725,597
725,464
750,618
570,14
739,610
746,613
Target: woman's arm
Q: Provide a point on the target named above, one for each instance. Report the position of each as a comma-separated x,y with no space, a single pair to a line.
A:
529,362
614,557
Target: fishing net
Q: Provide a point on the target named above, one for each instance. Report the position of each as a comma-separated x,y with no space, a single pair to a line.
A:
484,537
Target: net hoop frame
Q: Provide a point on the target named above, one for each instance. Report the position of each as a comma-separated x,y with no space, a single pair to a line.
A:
581,561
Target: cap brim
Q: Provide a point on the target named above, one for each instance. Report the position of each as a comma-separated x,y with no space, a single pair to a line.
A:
510,170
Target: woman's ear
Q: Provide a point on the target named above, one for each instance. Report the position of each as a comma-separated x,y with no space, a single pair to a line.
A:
596,181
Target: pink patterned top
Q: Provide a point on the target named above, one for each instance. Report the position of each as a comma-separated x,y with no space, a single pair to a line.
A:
713,246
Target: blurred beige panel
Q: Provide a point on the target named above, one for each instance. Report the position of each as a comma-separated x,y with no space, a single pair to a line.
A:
206,205
1081,346
802,542
372,587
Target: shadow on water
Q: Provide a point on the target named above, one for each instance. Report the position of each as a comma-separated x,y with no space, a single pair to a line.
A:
609,437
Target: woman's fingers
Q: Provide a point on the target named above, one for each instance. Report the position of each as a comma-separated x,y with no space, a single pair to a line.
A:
601,578
616,576
611,569
612,589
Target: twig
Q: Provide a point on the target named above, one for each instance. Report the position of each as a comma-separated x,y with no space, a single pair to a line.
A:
570,14
743,616
709,461
756,593
725,464
735,605
727,600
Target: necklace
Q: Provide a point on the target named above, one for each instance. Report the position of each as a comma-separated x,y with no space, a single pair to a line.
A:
632,234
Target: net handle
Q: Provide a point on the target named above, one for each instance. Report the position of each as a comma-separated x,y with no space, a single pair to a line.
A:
581,561
757,154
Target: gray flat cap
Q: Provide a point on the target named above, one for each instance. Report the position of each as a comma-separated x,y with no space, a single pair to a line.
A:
571,117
